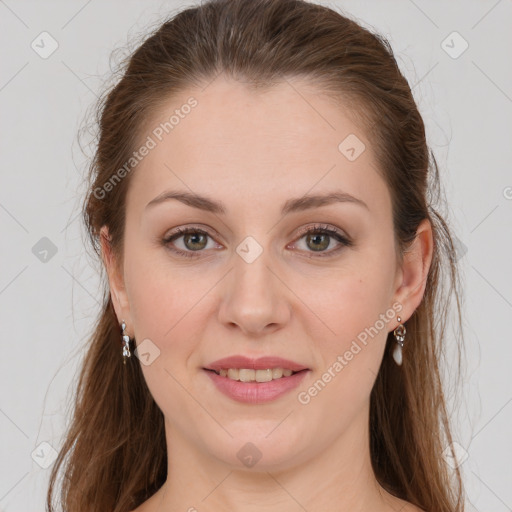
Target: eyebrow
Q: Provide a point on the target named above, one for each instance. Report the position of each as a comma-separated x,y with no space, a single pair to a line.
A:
305,202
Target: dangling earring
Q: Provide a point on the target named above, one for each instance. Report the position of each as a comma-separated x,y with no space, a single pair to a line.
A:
399,333
126,343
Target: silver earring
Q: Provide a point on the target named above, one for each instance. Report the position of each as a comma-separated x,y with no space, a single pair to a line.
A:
126,343
399,334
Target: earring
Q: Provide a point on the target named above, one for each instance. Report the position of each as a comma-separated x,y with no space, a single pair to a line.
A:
399,333
126,343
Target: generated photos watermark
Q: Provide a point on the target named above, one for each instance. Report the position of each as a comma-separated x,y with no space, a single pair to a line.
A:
361,341
150,143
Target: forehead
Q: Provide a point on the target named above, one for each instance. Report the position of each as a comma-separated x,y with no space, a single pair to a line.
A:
282,141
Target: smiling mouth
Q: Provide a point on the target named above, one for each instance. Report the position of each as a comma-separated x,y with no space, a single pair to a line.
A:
251,375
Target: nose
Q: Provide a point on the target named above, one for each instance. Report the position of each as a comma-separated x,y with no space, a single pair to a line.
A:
254,298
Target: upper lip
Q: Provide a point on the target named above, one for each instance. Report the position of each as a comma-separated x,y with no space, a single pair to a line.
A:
262,363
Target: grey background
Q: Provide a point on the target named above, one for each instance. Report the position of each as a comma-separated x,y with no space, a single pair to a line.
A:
47,307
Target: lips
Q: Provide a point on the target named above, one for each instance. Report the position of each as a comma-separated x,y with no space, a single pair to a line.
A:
256,392
262,363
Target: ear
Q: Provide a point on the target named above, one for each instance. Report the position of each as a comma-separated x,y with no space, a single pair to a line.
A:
115,278
412,275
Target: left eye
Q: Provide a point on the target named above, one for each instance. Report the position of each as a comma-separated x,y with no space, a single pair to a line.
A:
318,239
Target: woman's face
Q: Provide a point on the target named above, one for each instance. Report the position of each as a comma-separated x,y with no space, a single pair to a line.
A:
249,281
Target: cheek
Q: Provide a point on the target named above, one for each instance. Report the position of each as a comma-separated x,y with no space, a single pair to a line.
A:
354,306
354,314
159,298
164,308
355,310
349,302
170,307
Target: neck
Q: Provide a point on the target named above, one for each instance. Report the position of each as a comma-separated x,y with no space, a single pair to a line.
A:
339,477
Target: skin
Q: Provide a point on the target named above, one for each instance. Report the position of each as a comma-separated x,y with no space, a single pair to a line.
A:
253,151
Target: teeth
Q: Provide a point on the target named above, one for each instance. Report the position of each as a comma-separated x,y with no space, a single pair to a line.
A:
249,375
233,373
277,373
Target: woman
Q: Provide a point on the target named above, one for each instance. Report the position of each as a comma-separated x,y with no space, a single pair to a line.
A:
272,328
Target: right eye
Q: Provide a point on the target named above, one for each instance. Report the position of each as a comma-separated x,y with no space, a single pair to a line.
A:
194,240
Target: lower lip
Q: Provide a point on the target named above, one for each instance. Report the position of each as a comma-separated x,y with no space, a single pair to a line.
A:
256,392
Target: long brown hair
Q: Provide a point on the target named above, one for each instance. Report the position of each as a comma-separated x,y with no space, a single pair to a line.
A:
114,456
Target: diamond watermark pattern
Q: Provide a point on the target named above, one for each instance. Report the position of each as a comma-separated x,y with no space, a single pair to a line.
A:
147,352
351,147
454,45
44,455
249,455
458,457
460,248
249,249
44,45
44,250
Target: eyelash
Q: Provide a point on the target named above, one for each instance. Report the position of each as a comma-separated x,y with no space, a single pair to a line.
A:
316,229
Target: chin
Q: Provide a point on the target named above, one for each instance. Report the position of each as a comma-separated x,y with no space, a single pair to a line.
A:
259,453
